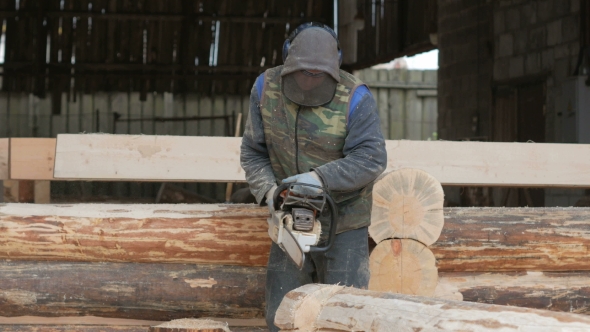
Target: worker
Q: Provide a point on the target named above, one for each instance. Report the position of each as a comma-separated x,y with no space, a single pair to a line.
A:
310,122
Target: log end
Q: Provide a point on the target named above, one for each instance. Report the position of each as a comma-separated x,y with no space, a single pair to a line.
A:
403,266
407,203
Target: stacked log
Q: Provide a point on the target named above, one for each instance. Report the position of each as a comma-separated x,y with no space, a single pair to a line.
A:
335,308
478,253
407,216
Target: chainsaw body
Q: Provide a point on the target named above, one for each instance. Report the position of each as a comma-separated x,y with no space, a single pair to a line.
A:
296,219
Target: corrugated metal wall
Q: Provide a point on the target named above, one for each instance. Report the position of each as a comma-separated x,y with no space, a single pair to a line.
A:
406,100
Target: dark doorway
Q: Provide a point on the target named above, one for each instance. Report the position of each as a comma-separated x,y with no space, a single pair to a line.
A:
519,116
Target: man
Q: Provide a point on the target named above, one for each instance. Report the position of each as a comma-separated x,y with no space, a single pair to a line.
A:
311,122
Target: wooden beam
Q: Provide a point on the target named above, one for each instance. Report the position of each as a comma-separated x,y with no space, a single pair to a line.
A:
148,158
157,292
32,158
4,172
495,164
555,291
210,234
160,17
175,158
42,192
514,239
317,307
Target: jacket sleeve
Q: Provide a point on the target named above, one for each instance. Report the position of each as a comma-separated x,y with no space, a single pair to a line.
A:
254,153
365,157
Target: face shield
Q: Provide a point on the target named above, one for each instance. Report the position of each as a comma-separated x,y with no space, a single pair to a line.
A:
311,71
307,88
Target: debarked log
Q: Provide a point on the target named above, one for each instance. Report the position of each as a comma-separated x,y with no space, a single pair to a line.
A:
317,307
556,291
473,239
147,291
514,239
233,234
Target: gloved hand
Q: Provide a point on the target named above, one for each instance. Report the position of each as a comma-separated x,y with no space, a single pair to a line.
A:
273,226
269,199
309,178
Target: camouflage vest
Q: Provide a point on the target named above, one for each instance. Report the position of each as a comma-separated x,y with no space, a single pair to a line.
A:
301,138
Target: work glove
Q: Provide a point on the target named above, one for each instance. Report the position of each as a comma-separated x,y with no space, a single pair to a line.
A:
273,222
269,199
309,178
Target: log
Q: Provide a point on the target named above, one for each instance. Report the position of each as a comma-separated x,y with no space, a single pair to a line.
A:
100,324
556,291
403,266
32,158
407,204
4,172
69,328
191,325
473,239
514,239
317,307
157,292
233,234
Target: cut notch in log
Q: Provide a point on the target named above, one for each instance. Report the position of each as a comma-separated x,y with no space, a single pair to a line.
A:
403,266
407,204
349,309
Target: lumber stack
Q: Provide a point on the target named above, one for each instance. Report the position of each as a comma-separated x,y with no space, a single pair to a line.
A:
407,216
473,242
335,308
176,261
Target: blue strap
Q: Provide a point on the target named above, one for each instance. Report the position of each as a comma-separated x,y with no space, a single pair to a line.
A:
259,86
358,95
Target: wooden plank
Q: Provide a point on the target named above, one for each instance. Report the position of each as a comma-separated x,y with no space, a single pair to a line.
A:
157,292
397,104
42,192
514,239
495,164
414,108
382,99
317,307
4,172
555,291
32,158
165,158
165,233
149,158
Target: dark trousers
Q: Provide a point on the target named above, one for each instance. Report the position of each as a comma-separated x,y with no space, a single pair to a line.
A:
346,264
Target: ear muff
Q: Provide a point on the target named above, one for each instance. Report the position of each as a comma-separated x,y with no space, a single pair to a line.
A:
294,33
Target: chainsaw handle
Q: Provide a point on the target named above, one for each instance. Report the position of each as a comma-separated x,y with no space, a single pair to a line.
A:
331,204
333,224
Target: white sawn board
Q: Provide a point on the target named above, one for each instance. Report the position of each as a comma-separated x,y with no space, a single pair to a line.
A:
495,164
148,158
190,158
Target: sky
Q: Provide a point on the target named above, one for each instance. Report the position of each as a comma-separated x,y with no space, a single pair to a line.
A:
427,60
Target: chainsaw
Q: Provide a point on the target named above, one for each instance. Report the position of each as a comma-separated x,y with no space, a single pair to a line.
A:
296,218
